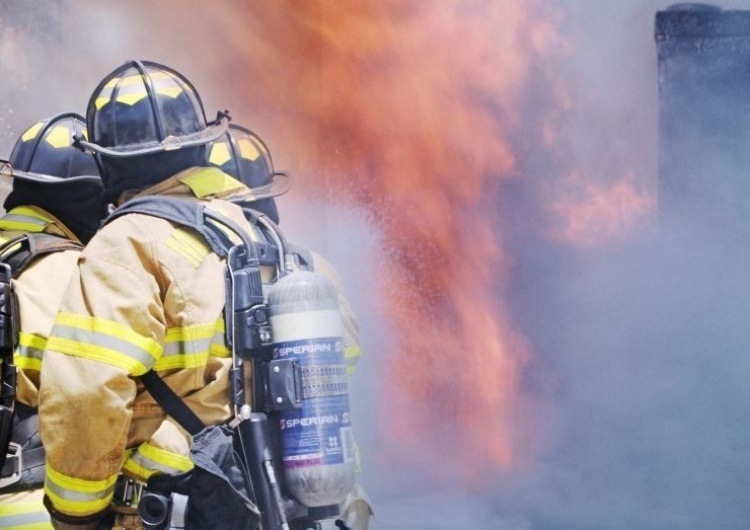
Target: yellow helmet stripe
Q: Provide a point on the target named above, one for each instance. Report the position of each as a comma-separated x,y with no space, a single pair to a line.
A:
220,154
248,150
132,88
59,137
32,132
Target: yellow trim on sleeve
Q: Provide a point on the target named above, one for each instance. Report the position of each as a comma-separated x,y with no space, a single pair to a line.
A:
77,496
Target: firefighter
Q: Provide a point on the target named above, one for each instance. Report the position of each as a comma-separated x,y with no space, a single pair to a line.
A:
244,155
147,294
53,209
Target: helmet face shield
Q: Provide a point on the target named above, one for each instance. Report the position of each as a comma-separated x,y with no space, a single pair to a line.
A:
243,155
143,108
45,153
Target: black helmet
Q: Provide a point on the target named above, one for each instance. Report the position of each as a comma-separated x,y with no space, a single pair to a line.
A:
243,155
141,109
45,154
52,174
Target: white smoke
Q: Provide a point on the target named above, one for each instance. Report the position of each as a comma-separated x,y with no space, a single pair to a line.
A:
635,404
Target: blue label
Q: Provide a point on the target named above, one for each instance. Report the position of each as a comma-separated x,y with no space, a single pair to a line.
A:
319,432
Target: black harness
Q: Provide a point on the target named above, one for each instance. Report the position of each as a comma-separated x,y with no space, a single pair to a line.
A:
22,455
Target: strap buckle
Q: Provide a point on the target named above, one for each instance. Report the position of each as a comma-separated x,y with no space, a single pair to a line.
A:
128,491
14,461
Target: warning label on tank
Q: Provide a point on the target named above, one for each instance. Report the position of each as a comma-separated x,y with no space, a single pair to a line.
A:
318,433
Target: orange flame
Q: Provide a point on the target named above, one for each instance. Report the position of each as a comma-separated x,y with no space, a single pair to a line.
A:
415,107
590,212
410,110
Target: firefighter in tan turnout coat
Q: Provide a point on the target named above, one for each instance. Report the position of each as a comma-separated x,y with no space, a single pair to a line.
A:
147,295
53,209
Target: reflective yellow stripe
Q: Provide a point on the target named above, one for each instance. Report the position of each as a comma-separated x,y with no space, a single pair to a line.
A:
190,346
28,356
25,219
148,460
77,496
351,356
103,341
31,212
192,246
25,515
210,181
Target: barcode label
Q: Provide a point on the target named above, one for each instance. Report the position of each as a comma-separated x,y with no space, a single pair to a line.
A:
347,443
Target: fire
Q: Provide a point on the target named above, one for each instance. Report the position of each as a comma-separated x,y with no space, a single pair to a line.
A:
416,107
590,212
411,110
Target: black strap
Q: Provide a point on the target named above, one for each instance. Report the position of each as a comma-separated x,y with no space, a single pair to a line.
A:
31,246
26,434
24,429
30,458
304,256
172,403
186,213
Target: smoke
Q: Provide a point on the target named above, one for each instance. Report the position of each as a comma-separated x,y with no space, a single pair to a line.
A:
635,396
599,376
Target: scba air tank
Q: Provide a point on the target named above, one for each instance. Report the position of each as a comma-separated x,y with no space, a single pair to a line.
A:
317,442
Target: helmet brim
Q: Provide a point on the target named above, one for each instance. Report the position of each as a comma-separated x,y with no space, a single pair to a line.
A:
7,170
211,133
279,185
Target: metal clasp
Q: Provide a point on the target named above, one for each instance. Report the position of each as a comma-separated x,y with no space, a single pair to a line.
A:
13,456
128,491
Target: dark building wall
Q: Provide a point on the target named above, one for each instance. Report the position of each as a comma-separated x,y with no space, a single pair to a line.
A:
704,98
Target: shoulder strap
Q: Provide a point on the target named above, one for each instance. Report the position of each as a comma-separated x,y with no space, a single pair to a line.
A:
304,256
172,403
188,214
272,232
30,246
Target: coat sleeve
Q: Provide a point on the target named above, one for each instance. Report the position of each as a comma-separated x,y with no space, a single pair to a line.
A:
110,329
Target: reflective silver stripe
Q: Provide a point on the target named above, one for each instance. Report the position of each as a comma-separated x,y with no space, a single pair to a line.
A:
188,347
191,346
30,352
26,219
153,465
78,496
18,218
21,519
219,345
103,340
